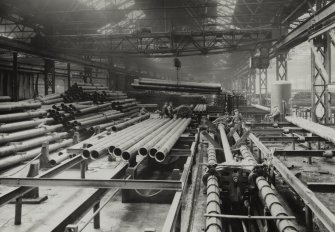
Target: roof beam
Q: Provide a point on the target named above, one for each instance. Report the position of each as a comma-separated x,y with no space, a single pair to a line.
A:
301,33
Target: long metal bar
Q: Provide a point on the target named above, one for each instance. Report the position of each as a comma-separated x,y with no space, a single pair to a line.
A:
324,187
249,217
96,183
18,192
225,144
319,209
173,211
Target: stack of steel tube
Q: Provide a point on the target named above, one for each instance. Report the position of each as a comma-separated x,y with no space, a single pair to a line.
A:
200,108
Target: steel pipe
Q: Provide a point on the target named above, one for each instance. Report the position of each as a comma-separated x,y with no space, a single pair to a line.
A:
163,152
137,137
18,106
160,142
15,159
5,98
17,136
15,126
318,129
129,122
31,143
130,153
59,157
22,116
225,144
94,108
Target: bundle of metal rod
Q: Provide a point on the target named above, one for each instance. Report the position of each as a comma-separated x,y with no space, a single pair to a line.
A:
164,150
16,126
25,134
144,150
266,193
18,106
129,122
126,143
22,116
130,153
200,108
225,144
107,144
264,108
5,98
213,205
210,86
183,111
325,132
31,143
30,154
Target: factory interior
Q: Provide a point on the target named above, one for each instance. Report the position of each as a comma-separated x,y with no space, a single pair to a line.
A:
167,115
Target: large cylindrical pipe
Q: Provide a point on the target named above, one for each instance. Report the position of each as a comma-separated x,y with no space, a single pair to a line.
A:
22,116
59,157
129,122
225,144
15,126
94,108
31,143
101,146
144,150
128,141
138,137
19,106
17,136
130,153
15,159
162,153
157,146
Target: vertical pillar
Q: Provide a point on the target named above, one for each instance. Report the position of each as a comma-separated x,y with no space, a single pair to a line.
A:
49,76
321,76
252,79
281,67
15,83
88,74
263,85
68,75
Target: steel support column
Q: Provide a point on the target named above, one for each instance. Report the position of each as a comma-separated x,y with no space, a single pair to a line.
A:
49,76
321,77
15,83
252,82
263,85
281,67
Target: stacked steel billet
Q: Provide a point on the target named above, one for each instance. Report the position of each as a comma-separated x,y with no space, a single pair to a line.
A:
267,194
162,141
18,106
30,154
101,146
22,116
225,144
129,122
15,126
144,150
17,136
213,224
163,152
200,108
325,132
130,153
31,143
127,143
5,98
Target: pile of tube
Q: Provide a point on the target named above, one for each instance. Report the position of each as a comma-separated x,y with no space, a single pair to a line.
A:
155,137
200,108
